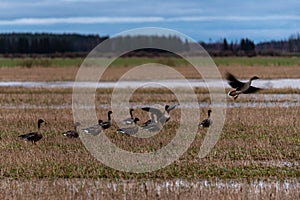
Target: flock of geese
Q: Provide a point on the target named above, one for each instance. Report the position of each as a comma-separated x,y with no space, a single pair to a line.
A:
157,117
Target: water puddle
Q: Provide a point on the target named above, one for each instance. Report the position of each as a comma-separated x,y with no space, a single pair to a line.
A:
272,83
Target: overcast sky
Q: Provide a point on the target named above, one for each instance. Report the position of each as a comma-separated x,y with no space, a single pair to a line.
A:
200,19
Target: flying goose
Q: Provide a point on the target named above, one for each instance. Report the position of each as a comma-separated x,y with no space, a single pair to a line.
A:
130,130
94,130
162,117
130,120
152,120
34,136
240,87
72,133
206,122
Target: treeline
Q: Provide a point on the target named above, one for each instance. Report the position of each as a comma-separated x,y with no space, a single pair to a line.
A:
74,45
77,45
46,43
151,46
246,47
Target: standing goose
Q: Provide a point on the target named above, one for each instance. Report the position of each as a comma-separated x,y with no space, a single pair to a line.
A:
94,130
130,120
107,124
130,130
162,117
72,133
34,136
206,122
240,87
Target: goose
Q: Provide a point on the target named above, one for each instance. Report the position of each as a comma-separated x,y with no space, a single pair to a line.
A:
152,120
107,124
34,136
240,87
72,133
130,120
130,130
153,127
162,117
94,130
206,122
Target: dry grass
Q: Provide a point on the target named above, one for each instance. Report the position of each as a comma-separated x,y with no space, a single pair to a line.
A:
264,72
38,73
114,73
250,139
155,189
256,143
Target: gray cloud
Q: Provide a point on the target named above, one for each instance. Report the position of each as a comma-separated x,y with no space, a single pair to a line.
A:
108,19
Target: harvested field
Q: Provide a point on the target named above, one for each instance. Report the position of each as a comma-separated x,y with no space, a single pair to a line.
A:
257,155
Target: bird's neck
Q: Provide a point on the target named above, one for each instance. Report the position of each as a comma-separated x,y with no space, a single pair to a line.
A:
131,115
39,128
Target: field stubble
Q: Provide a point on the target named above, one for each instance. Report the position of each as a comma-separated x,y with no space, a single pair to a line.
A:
259,143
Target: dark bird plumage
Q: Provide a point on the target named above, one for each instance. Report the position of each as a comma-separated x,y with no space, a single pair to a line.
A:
206,122
72,133
129,120
34,136
107,124
240,87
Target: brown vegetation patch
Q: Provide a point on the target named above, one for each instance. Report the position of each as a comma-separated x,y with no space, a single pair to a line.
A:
114,73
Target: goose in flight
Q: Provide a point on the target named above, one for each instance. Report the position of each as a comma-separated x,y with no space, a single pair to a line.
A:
240,87
162,117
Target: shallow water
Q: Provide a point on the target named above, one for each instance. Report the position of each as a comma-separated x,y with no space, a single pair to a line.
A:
272,83
257,104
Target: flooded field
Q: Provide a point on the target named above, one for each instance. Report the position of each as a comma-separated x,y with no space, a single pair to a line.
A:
266,84
256,156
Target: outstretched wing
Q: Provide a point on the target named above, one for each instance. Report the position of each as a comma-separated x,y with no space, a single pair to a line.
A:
251,89
155,111
233,82
172,107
